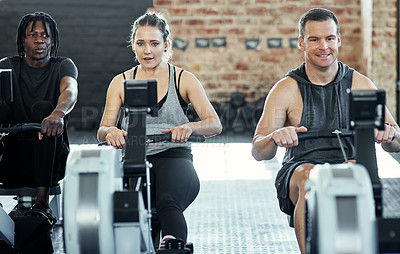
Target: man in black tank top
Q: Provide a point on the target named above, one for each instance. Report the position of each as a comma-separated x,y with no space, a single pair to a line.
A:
45,91
311,97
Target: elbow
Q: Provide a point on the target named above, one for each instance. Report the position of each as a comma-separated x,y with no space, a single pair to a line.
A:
390,148
218,128
257,156
260,156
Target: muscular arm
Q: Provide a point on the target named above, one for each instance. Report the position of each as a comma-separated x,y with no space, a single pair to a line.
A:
392,130
53,124
279,122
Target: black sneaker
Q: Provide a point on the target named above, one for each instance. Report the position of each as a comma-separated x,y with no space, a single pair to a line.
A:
174,244
42,209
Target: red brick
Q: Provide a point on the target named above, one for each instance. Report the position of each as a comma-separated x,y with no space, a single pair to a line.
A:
207,31
357,30
393,14
257,11
176,23
392,34
271,57
348,21
186,2
205,11
229,12
288,31
178,11
195,22
235,31
211,85
241,66
196,67
229,76
220,22
158,3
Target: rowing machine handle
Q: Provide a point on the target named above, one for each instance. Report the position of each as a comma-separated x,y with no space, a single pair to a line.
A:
323,134
167,137
16,128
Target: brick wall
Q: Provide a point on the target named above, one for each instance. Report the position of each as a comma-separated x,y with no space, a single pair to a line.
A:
223,70
384,49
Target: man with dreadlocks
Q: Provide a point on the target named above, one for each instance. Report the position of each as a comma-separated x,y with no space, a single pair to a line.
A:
45,91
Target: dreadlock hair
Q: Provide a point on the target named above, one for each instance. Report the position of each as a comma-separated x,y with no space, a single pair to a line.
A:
34,17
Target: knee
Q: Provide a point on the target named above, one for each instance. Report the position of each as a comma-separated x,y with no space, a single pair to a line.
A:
299,178
166,200
302,173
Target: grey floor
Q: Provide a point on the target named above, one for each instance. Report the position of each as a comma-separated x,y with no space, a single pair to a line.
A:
236,211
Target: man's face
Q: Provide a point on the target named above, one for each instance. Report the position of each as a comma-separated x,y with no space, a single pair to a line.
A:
37,44
320,43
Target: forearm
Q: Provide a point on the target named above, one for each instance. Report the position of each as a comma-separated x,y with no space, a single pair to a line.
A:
53,124
66,102
263,147
207,127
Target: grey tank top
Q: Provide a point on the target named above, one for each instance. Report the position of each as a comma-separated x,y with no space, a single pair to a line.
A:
325,108
170,115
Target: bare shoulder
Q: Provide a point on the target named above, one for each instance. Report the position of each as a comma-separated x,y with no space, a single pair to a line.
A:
361,81
186,76
119,78
286,83
283,106
116,87
284,88
189,85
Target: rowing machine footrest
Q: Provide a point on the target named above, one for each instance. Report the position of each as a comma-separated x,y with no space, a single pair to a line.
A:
176,246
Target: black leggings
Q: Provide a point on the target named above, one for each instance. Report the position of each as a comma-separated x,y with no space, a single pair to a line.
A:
175,185
26,160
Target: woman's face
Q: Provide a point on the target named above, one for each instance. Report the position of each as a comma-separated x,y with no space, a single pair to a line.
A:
149,46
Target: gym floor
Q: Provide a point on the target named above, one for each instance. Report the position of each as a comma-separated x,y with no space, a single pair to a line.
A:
236,211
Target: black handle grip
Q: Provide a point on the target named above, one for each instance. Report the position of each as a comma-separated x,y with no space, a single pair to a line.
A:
16,128
167,137
323,134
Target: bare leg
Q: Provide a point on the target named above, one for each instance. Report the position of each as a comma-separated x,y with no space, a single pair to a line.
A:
42,194
297,196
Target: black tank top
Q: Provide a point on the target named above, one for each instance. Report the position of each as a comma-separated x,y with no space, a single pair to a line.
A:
325,108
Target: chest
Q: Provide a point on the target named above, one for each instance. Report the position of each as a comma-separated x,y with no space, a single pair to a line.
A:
294,111
162,83
315,107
